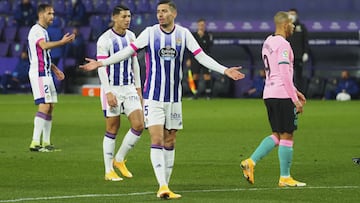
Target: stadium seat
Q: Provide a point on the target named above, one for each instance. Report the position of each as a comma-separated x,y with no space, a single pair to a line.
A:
131,5
101,7
315,88
60,8
4,49
85,32
97,26
16,48
115,3
23,34
5,7
89,6
8,64
143,6
91,50
10,34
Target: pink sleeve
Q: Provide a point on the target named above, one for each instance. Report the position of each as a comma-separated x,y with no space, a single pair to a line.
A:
287,81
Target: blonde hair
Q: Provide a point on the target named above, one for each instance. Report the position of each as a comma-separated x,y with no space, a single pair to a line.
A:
281,17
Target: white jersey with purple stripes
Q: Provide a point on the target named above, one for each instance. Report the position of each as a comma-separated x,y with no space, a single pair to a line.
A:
40,60
109,43
164,60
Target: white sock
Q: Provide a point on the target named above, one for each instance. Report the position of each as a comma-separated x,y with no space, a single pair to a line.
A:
47,132
39,122
158,163
169,155
127,144
108,151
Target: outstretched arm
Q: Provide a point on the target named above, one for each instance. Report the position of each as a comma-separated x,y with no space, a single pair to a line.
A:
115,58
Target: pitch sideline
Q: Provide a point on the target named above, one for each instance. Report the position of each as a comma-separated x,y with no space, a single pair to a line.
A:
183,191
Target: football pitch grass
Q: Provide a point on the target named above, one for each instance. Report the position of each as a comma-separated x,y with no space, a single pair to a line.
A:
217,135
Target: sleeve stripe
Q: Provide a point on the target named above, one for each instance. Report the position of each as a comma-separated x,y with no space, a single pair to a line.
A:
102,57
134,47
196,52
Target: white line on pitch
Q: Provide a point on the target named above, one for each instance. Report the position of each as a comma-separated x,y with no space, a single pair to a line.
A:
184,191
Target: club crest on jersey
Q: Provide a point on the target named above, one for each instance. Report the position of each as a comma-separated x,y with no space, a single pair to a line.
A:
178,41
168,53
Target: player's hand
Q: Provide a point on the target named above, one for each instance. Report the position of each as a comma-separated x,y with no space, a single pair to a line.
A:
59,75
111,99
301,97
91,65
234,73
299,107
68,38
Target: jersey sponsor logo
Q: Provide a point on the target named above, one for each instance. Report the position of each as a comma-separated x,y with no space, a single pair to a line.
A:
175,116
168,53
285,54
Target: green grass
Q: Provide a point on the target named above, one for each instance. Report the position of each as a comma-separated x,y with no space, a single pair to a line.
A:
217,135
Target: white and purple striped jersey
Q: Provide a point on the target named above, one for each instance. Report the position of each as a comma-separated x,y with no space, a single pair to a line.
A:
109,43
164,60
40,60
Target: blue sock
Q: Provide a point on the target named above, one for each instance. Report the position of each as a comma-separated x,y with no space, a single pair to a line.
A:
266,145
285,156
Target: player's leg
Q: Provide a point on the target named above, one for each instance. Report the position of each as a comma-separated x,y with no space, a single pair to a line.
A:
195,69
43,98
288,120
169,152
40,120
112,127
208,82
129,141
266,145
50,92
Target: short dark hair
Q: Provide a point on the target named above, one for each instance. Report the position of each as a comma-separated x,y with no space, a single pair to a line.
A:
168,2
201,20
117,9
43,7
293,9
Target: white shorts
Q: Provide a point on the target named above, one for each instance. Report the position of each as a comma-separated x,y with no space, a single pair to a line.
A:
43,89
168,114
127,98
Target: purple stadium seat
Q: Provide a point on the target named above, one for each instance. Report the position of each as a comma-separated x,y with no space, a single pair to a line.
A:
143,6
115,3
131,5
4,49
5,7
60,8
10,34
8,64
2,22
23,34
89,6
101,7
91,50
16,48
86,32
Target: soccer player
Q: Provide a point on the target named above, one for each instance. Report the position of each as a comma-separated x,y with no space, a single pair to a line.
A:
282,100
205,41
40,75
165,45
120,93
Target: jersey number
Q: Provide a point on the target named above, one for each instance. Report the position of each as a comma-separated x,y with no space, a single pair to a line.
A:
267,65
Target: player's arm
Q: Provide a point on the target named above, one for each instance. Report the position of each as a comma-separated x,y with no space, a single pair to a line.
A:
58,73
284,69
102,50
119,56
209,62
52,44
